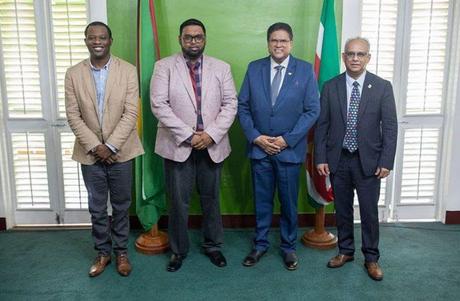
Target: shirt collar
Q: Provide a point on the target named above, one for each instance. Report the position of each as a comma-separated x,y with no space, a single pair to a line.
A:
351,80
284,63
106,66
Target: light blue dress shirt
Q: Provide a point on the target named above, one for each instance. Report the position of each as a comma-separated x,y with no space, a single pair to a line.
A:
100,79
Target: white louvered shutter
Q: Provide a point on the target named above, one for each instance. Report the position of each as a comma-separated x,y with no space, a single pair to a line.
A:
69,22
75,193
30,172
378,25
20,58
419,168
424,101
427,56
39,41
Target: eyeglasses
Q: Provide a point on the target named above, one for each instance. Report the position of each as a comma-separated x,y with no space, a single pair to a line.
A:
198,38
282,42
360,55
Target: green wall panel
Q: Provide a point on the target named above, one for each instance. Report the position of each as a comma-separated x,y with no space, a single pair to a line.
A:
122,19
236,33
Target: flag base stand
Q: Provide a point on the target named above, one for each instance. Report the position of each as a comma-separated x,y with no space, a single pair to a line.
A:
319,238
152,242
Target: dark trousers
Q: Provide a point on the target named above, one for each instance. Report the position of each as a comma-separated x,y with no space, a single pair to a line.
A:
269,174
100,180
349,176
180,179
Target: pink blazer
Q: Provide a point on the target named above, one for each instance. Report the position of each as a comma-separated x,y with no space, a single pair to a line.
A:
173,104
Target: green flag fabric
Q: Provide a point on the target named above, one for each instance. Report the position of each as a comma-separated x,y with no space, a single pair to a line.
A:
328,52
149,180
326,67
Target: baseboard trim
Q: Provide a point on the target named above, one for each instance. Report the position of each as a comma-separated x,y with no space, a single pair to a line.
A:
2,223
241,221
452,217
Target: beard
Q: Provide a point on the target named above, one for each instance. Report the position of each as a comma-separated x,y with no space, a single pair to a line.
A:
192,54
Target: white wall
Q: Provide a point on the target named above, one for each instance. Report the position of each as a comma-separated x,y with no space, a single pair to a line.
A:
451,187
98,10
3,161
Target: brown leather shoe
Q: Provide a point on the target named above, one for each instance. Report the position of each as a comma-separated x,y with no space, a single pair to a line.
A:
373,270
99,265
339,260
123,265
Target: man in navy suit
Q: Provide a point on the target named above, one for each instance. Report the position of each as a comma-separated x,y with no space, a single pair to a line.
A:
278,104
355,144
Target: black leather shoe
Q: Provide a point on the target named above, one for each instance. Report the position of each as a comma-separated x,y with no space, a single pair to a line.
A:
253,257
217,258
175,262
290,261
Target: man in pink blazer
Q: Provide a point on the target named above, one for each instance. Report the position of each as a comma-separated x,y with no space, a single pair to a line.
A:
101,98
194,99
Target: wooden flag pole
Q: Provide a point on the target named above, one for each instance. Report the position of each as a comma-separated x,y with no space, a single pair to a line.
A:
152,242
319,238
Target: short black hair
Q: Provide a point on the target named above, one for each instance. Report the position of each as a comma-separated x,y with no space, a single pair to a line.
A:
97,23
280,26
191,22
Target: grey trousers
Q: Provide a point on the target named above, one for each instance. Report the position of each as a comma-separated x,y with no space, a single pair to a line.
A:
116,179
180,179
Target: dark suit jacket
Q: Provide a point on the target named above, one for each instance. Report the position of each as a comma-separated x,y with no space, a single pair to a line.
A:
377,124
294,113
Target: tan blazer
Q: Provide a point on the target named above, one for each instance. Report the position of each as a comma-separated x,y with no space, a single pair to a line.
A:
174,105
120,111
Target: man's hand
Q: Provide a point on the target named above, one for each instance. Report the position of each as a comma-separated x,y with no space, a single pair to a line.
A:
201,140
323,169
112,159
279,141
267,144
102,152
382,172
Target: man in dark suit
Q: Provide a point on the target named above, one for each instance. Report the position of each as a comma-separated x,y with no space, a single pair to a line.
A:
355,144
278,104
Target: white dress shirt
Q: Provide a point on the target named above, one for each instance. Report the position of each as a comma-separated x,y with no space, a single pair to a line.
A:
273,64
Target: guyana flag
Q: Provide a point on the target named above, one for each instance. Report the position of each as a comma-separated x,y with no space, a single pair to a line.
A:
326,67
149,181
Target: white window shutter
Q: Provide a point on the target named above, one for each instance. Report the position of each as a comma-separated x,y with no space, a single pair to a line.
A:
420,159
20,58
30,170
378,25
427,56
75,193
69,22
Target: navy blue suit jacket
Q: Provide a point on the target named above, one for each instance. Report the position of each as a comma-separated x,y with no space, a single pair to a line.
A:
377,124
294,113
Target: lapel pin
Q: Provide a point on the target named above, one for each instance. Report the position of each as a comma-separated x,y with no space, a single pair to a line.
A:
289,73
369,86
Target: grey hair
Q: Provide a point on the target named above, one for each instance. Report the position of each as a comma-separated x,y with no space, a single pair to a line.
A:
361,39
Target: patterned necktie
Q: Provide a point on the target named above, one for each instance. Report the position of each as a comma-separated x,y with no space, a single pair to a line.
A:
276,83
351,135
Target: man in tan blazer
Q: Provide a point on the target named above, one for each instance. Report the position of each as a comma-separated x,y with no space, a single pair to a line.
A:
194,99
101,95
